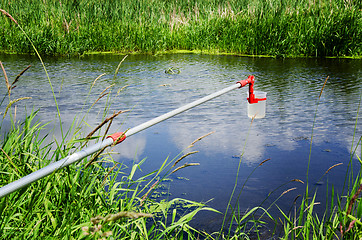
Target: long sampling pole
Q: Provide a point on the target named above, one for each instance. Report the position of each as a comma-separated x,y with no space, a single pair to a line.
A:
112,139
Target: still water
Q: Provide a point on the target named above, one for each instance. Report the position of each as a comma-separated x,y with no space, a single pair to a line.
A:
283,136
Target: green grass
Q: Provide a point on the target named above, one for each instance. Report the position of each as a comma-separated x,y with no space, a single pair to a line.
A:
104,199
274,27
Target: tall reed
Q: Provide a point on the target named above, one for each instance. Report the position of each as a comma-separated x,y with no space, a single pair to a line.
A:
273,27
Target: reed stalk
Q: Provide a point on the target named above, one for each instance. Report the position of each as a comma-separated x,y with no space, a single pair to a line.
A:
274,28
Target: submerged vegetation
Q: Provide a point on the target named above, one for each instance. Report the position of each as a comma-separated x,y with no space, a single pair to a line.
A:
273,27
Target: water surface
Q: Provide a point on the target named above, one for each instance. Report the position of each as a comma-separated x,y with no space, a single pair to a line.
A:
283,136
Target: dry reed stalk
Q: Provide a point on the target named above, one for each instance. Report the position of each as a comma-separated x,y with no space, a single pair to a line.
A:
102,94
225,12
317,203
12,85
320,94
92,230
66,25
110,120
107,88
146,194
100,161
297,180
353,199
286,191
9,16
95,157
133,215
100,97
12,102
95,80
281,221
116,216
107,129
12,163
182,157
200,138
6,77
18,76
296,198
351,225
264,161
196,12
252,119
104,122
177,19
335,165
105,177
119,65
185,165
121,89
172,20
295,228
97,227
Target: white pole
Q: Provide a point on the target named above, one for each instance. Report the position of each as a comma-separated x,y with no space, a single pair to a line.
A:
22,182
45,171
179,110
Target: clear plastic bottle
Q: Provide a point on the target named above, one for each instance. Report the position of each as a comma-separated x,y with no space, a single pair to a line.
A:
257,109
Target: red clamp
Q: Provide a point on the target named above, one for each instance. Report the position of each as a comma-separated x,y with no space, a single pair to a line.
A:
250,80
118,137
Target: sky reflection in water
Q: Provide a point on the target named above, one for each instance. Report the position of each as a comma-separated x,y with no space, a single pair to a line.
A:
293,87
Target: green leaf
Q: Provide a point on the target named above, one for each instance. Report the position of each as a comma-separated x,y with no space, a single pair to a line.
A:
359,209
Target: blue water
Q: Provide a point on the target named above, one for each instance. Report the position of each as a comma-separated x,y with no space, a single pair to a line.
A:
283,136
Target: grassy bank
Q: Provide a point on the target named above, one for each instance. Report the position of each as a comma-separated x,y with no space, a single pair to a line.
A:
274,27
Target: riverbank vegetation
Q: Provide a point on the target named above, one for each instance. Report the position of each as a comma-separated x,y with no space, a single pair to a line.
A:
274,27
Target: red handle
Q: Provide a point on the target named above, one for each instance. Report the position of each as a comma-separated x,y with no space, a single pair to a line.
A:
118,137
250,80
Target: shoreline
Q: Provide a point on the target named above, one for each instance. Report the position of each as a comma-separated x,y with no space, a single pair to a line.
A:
293,29
201,52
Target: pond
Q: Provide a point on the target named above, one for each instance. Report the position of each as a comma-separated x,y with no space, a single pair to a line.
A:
293,87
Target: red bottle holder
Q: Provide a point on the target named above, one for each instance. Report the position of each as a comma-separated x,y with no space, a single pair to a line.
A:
257,104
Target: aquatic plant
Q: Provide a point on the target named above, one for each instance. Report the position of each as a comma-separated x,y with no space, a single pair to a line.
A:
275,28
